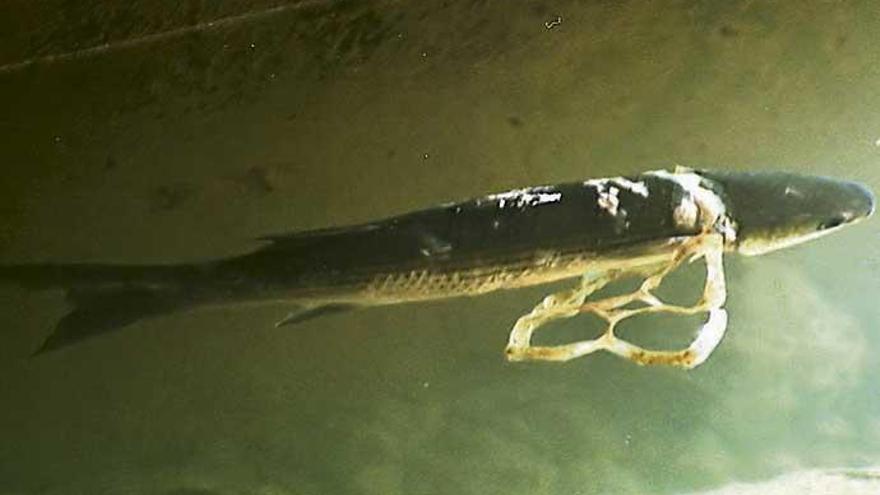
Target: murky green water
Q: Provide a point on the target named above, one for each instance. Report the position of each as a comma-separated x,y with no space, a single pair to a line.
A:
136,134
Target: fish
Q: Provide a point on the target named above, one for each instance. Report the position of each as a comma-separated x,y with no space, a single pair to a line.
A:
594,231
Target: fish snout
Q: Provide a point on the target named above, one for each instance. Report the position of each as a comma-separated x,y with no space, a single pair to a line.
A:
860,206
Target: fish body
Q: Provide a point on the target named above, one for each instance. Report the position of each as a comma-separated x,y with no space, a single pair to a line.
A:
508,240
502,241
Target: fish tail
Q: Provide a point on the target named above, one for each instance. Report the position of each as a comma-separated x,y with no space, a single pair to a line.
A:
106,297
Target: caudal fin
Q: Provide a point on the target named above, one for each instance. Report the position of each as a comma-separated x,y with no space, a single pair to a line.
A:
104,298
100,311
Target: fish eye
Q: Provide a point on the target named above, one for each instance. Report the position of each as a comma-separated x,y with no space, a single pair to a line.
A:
832,222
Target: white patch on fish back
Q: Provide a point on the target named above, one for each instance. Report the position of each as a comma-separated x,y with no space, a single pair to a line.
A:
621,182
687,213
530,196
712,210
609,201
599,184
608,191
635,187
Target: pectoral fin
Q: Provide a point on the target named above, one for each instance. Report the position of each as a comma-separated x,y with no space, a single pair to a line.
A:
304,314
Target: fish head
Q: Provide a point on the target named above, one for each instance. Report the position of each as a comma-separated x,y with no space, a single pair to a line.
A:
775,210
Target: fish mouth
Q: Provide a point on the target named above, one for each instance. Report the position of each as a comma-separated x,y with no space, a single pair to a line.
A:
870,201
861,205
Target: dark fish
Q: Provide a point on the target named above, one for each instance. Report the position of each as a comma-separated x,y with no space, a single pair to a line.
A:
514,239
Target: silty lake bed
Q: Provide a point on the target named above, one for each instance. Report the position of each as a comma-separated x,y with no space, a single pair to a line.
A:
148,134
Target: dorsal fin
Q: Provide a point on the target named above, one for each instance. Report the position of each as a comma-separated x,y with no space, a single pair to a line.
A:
286,240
